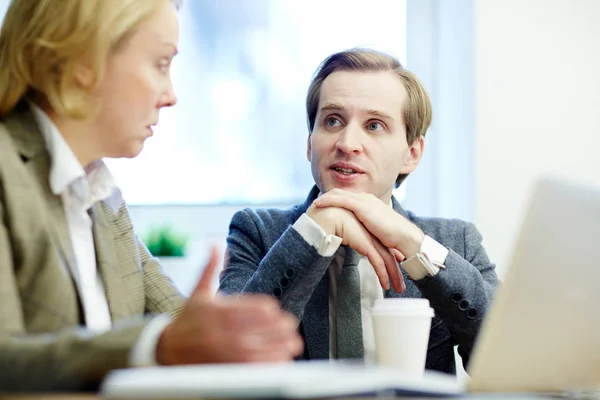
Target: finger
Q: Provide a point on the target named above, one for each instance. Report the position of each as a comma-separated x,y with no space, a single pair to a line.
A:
337,198
247,310
249,300
357,203
376,261
364,242
293,346
292,343
276,326
391,265
398,255
203,288
255,314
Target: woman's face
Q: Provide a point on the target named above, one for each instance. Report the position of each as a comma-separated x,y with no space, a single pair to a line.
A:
137,84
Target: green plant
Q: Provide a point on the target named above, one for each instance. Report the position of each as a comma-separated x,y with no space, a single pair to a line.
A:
163,241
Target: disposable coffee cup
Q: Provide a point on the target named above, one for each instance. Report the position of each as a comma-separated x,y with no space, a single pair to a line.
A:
401,328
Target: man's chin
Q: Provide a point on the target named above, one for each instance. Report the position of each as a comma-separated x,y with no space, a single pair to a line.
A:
347,187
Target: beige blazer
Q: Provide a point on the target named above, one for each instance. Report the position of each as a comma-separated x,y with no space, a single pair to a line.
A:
42,344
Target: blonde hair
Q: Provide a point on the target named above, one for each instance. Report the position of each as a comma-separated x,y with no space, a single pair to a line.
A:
43,42
417,110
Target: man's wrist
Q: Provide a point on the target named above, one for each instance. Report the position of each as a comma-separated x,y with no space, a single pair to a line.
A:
317,217
413,243
313,234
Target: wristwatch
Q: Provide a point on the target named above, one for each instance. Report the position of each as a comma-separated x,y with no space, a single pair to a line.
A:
428,261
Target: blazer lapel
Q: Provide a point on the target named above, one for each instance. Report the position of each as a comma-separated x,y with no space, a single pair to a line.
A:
29,141
301,208
398,208
107,262
59,225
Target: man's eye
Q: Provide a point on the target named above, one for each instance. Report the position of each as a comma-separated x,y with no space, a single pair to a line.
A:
375,126
332,121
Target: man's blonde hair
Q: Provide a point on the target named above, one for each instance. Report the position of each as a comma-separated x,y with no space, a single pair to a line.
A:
43,42
417,110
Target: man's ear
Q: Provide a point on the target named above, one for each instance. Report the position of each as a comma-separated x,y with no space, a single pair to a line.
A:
308,147
415,152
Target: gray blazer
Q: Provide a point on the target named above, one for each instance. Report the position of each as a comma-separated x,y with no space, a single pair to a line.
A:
266,255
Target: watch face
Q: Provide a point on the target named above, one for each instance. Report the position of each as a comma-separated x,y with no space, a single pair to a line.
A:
418,267
427,264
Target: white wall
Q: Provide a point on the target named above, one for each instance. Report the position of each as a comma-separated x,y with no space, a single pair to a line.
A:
537,102
440,51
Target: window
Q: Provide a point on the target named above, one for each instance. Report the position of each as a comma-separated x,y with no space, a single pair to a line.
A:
238,133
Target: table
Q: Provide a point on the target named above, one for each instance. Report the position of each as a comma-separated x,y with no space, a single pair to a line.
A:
467,397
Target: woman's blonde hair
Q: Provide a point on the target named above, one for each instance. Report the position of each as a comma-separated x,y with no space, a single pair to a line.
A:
43,42
417,110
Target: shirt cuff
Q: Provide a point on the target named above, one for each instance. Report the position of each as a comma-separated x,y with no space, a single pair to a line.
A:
428,261
314,235
435,252
143,353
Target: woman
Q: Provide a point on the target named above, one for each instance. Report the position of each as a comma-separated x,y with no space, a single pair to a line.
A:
81,80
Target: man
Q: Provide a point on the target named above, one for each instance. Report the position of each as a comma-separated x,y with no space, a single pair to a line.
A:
367,119
80,295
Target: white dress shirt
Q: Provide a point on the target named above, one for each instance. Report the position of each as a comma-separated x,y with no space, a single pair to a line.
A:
370,288
79,189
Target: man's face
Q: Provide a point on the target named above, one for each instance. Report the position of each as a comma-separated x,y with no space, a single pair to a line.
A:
359,138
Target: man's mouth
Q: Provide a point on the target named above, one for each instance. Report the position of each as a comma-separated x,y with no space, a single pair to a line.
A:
345,171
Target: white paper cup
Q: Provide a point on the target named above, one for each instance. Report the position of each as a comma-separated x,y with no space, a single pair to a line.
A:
401,328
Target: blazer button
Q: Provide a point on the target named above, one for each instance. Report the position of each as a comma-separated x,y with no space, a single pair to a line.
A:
284,282
463,305
472,313
456,297
277,292
290,273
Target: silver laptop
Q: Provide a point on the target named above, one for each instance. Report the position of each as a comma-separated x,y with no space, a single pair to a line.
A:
543,330
542,333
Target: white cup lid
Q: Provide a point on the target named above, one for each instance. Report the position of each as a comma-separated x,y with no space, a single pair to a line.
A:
402,305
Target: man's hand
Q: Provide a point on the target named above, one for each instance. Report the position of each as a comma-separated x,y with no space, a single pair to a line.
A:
250,328
392,229
343,223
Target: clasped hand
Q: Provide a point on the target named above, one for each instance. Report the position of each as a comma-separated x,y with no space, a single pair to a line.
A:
372,228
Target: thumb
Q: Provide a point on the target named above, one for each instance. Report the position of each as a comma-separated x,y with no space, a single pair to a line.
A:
203,288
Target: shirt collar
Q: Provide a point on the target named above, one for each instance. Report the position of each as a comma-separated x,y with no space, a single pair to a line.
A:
92,184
